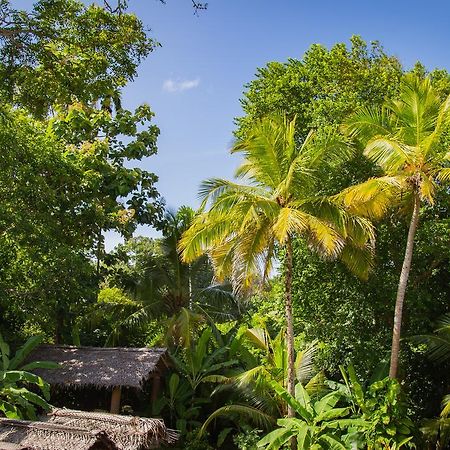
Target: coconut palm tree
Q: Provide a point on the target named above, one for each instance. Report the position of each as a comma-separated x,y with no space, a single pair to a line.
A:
276,202
405,138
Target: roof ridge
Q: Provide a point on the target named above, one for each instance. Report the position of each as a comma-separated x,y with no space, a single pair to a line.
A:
87,347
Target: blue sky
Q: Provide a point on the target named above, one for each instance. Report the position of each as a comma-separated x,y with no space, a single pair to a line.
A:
194,81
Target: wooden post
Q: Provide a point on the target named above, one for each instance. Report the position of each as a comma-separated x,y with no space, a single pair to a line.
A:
156,382
115,400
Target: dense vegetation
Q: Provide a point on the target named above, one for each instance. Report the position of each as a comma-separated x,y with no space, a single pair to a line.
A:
277,299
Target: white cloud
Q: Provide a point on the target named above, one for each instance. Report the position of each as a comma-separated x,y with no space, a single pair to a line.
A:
180,86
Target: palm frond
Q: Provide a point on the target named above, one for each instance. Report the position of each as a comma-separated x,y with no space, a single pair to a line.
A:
304,363
388,153
372,198
445,406
368,122
443,175
258,417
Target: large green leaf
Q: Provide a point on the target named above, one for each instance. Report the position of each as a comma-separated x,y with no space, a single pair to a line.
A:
257,416
275,439
4,350
291,401
24,351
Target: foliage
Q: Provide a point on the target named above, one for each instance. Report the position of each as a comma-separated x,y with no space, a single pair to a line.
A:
438,344
17,400
437,431
247,439
188,391
166,289
68,148
317,424
52,224
263,359
322,88
63,51
406,139
383,410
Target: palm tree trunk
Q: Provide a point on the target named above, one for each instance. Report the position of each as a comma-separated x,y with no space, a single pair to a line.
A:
396,332
289,324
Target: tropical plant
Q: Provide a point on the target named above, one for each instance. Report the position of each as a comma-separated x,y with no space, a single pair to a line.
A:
265,361
383,412
317,424
161,286
262,359
17,401
438,343
438,350
405,138
188,391
246,222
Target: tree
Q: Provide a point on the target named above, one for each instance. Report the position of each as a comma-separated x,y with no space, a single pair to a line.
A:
60,187
245,222
69,176
64,51
323,87
405,139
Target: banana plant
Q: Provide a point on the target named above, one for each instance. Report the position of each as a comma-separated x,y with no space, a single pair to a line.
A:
317,425
437,431
17,401
263,359
383,410
187,392
197,362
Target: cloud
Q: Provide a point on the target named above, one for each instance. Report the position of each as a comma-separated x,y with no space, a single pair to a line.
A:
180,86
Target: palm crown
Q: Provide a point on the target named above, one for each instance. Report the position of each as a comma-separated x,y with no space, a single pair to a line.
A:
406,139
278,201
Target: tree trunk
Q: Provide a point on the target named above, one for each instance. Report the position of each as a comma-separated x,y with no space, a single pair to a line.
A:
59,324
289,324
99,252
396,332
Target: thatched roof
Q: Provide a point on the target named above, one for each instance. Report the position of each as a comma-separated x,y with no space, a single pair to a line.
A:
22,434
65,429
128,432
97,366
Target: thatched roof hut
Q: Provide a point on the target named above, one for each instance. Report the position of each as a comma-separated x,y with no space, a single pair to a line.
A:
65,429
99,367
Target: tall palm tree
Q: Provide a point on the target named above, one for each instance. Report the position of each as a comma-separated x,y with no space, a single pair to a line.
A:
276,202
405,138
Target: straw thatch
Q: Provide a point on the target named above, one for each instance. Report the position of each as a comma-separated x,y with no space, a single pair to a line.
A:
65,429
128,432
22,434
9,446
98,367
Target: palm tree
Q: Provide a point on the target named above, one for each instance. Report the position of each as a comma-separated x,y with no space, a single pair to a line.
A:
405,139
276,202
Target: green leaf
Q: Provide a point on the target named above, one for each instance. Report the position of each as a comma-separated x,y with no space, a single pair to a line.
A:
275,439
4,350
24,351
